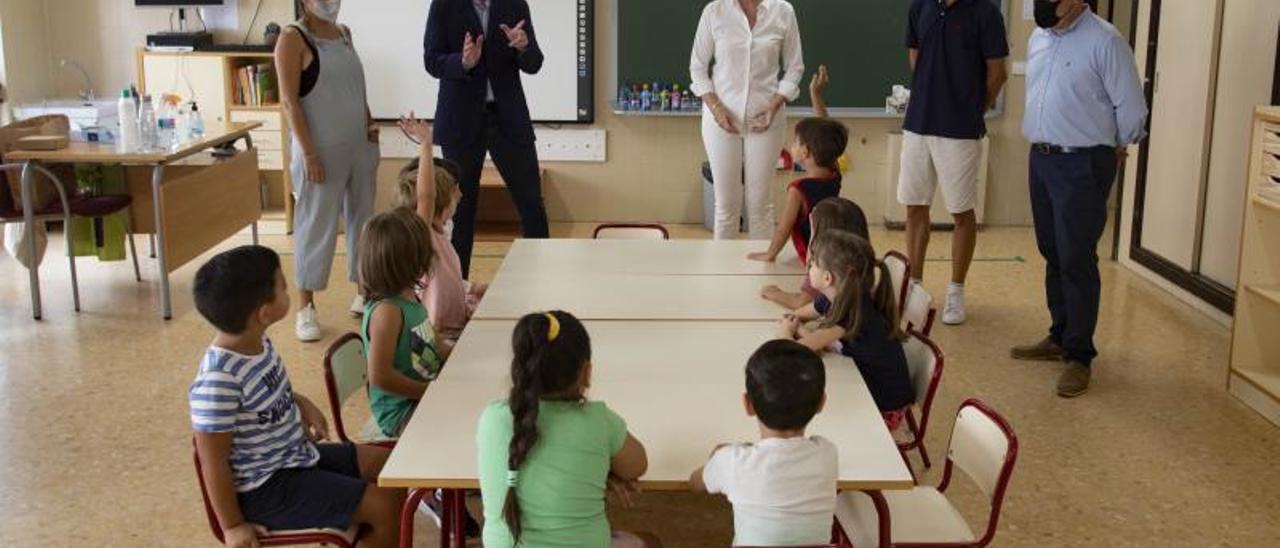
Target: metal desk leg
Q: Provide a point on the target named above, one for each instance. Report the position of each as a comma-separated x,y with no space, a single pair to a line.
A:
458,499
157,175
262,189
254,229
28,217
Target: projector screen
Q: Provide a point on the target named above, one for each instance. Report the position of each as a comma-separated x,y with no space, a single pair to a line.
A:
389,40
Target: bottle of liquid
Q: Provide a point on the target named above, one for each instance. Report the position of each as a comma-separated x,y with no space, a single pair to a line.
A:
624,99
128,114
677,101
646,98
147,129
664,99
165,125
635,97
181,127
196,122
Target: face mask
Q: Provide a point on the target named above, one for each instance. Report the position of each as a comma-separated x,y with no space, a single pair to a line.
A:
1047,14
327,9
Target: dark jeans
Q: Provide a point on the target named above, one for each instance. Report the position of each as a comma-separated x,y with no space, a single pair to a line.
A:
1069,204
518,165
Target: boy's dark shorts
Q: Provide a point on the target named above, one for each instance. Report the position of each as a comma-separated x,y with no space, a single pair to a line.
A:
322,497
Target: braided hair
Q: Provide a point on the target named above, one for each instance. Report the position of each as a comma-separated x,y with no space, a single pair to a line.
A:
550,351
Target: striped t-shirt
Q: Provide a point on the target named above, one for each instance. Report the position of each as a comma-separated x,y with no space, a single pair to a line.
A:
250,397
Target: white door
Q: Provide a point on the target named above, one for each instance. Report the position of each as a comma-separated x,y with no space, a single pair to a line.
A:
1180,117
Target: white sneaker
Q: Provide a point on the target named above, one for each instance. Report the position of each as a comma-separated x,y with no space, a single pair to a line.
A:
357,306
953,312
307,328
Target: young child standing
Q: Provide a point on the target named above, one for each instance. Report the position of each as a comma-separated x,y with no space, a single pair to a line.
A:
401,347
830,214
547,454
256,439
818,143
430,186
783,488
862,319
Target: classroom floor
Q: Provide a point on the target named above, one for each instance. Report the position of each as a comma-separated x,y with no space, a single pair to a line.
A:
95,445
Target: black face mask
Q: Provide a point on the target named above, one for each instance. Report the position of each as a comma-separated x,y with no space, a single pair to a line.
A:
1047,14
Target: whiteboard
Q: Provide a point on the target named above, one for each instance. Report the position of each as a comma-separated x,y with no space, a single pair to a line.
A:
389,40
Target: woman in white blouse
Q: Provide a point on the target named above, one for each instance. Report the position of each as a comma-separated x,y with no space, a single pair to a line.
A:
739,50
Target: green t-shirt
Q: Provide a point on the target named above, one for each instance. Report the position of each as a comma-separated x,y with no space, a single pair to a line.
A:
562,484
416,357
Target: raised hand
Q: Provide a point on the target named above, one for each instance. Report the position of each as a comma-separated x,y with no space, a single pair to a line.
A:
516,36
819,82
471,50
417,130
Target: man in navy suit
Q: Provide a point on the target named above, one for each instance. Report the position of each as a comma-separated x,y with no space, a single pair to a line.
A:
477,49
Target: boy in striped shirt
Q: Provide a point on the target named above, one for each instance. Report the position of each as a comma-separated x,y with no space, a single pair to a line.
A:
255,437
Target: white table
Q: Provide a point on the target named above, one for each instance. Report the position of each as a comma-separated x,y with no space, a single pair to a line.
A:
680,257
679,387
632,296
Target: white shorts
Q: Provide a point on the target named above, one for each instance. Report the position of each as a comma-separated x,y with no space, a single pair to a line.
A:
929,161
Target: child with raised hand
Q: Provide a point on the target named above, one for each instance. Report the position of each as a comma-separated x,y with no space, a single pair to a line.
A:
860,313
257,440
402,352
830,214
547,454
783,488
430,186
818,144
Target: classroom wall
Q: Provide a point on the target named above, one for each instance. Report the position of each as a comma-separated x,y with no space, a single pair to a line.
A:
22,35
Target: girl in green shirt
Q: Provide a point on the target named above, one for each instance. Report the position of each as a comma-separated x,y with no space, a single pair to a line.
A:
547,454
395,252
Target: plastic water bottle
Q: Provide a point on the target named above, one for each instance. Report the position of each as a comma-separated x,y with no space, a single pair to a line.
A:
196,123
646,98
165,126
147,129
182,127
128,113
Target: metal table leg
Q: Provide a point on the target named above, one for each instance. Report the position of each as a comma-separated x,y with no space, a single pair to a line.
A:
166,306
28,217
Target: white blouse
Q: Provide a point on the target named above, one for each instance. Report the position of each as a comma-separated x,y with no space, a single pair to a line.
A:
747,61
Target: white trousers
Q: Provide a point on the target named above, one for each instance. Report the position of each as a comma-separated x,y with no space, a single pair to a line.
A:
732,156
348,190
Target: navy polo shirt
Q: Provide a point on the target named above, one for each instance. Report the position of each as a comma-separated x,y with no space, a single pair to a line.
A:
949,87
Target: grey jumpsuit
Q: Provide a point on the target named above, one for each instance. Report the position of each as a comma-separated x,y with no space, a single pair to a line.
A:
335,110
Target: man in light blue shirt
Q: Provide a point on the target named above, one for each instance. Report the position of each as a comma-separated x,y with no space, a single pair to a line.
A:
1084,106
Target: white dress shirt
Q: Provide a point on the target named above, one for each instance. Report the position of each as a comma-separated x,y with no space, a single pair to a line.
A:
747,60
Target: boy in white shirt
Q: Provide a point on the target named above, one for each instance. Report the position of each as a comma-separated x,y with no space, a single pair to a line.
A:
783,488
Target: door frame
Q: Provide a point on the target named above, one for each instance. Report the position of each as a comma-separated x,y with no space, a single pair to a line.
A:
1120,174
1192,281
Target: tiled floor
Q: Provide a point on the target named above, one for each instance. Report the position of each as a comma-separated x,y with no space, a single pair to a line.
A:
95,450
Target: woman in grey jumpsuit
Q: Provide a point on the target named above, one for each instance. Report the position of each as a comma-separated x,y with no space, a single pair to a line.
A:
334,148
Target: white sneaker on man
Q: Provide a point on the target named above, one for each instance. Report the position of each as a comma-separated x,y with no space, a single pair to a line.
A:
357,306
306,326
953,312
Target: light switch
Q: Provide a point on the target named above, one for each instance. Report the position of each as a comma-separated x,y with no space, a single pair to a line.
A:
1019,68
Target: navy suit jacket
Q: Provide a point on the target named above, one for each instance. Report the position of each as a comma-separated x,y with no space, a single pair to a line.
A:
461,103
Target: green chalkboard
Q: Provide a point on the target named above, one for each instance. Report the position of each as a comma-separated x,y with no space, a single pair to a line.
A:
862,43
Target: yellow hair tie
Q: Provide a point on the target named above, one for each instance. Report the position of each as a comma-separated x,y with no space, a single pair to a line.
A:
554,330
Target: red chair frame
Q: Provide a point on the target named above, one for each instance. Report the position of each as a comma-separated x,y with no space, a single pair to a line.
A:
653,226
906,279
918,429
270,539
452,519
997,496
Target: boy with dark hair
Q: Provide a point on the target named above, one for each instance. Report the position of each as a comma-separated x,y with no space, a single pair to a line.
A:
783,488
255,438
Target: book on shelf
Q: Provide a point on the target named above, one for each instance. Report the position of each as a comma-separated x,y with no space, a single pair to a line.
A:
256,85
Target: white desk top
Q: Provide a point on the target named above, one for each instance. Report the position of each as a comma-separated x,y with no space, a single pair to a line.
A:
679,386
632,297
707,257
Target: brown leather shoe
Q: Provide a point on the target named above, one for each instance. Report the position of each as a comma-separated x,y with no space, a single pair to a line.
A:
1074,380
1045,350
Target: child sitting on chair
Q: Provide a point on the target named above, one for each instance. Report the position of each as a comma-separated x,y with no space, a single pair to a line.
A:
255,438
430,187
783,488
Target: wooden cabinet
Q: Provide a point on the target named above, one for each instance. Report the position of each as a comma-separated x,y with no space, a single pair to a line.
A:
208,78
1255,340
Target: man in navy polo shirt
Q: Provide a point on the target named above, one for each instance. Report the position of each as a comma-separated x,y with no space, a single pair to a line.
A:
957,50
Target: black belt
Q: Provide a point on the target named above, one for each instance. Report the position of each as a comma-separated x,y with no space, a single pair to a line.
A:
1047,148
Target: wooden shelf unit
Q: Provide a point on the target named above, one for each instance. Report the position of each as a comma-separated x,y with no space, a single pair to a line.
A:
1254,375
209,79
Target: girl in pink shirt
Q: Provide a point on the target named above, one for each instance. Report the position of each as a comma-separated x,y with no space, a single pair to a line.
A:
434,194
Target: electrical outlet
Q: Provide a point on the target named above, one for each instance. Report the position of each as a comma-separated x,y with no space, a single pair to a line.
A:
571,145
1019,68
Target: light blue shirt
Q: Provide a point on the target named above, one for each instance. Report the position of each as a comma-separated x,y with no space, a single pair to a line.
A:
1083,88
483,14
